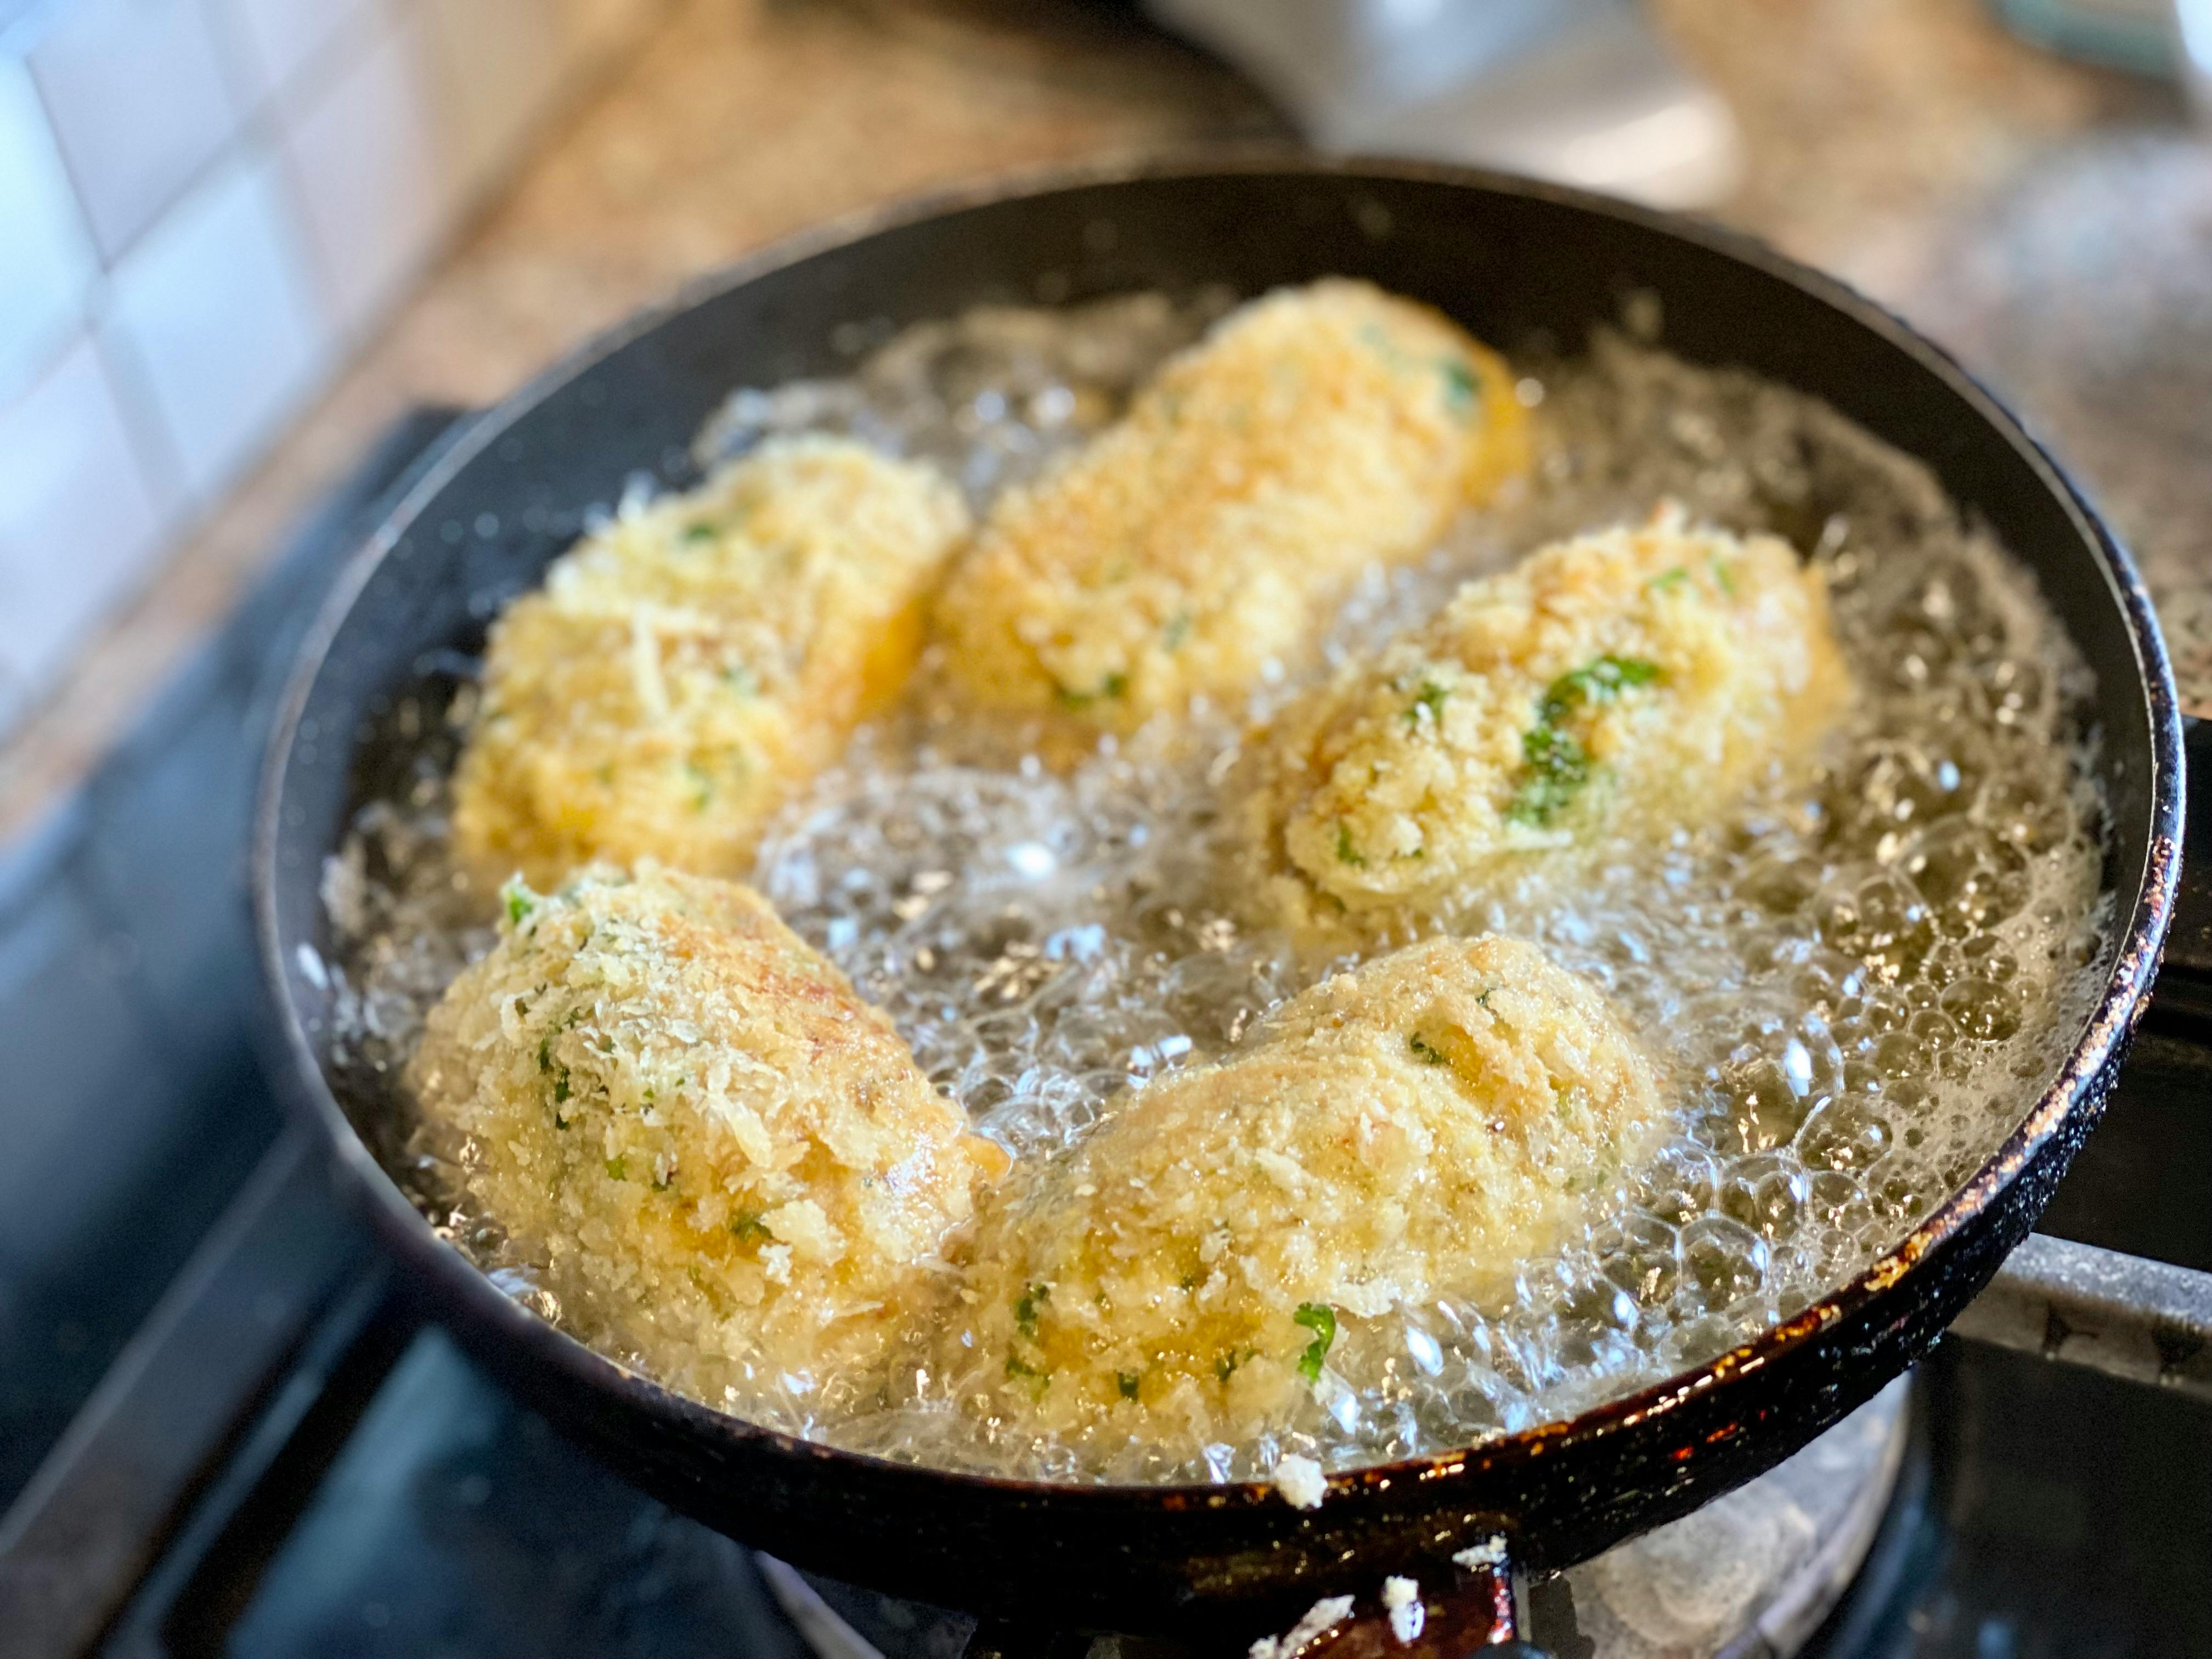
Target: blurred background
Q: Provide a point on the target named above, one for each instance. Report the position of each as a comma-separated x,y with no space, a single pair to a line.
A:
241,235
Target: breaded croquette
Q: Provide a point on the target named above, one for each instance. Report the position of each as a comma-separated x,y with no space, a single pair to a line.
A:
1411,1130
1309,433
1622,684
715,1147
686,667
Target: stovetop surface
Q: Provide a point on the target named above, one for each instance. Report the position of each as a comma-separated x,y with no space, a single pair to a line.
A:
288,1462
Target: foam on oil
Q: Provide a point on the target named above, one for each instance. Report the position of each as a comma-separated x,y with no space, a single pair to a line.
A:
1855,984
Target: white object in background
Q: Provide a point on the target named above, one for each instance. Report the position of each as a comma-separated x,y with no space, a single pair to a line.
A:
78,520
1579,91
216,309
139,103
48,262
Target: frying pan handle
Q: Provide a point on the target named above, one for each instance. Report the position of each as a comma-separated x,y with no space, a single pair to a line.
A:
1464,1610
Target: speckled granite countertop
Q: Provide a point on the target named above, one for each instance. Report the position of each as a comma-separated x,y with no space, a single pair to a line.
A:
2053,222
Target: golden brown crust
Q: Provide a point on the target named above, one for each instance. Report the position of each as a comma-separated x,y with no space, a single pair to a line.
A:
1414,1129
718,1147
1618,684
686,667
1311,432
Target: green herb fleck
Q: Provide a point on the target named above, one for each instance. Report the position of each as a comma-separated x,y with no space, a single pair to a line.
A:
1127,1381
560,1090
1177,631
1555,765
751,1229
1225,1367
1345,852
618,1169
1425,1051
703,783
1022,1371
519,900
1463,386
1668,580
1429,697
545,1054
700,531
1600,681
1724,576
1114,685
1026,1306
741,679
1553,768
1320,1319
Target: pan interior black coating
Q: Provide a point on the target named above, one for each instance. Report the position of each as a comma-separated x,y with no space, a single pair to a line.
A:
1516,263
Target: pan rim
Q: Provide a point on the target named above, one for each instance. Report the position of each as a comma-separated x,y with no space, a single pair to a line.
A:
2118,1005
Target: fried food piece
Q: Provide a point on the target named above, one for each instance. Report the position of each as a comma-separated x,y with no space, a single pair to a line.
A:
1411,1130
1616,685
1309,433
685,668
719,1150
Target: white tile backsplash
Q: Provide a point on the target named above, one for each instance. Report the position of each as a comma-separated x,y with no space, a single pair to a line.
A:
204,205
216,309
363,153
48,262
79,522
139,102
272,41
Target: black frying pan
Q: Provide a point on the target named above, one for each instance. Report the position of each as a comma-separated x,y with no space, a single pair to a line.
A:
1511,260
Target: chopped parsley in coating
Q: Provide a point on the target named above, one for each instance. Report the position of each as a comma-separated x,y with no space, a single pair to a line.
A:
1026,1305
518,900
1320,1319
1429,697
1554,764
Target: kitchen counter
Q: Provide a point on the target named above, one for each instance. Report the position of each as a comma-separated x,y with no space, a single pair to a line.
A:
2054,222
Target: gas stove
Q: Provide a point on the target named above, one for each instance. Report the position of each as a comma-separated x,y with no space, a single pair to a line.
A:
223,1429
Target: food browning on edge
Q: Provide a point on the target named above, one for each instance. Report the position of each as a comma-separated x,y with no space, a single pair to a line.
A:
1410,1130
686,667
701,1129
1626,682
1200,539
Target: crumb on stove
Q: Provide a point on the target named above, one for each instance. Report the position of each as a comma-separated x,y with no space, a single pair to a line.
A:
1490,1553
1330,1610
1401,1600
1301,1481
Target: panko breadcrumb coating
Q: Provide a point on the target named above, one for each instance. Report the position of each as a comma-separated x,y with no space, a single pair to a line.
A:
1410,1130
1618,684
725,1157
1309,433
683,668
